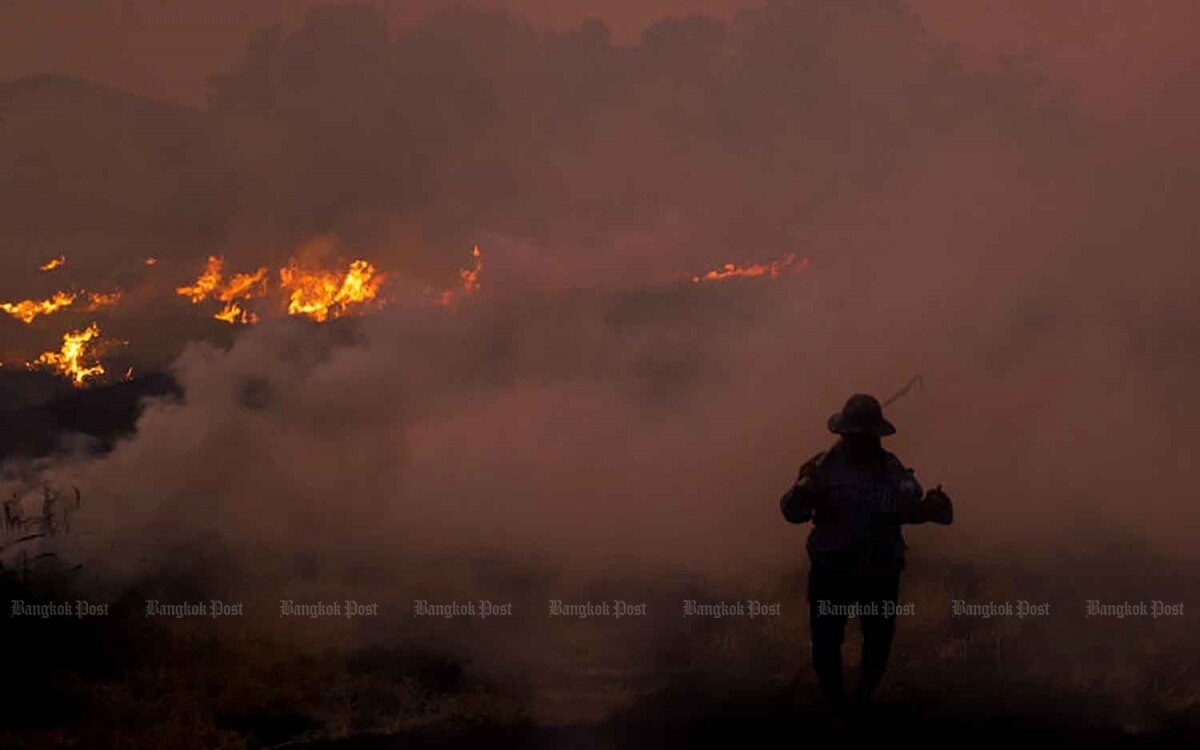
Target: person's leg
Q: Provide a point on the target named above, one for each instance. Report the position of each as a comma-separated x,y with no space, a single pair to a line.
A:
878,630
825,590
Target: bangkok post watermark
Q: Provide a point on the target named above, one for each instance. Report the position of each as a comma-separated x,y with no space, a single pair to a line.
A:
212,609
871,608
612,608
1154,609
64,608
345,608
478,608
749,608
1018,608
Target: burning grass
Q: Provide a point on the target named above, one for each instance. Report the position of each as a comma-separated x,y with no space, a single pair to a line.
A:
75,359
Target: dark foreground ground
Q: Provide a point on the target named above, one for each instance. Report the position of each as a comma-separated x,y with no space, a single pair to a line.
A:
704,718
130,681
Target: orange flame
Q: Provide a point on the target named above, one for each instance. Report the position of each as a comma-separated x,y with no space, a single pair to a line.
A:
68,360
50,265
244,285
241,286
27,310
322,294
731,270
233,313
469,278
98,300
206,283
151,261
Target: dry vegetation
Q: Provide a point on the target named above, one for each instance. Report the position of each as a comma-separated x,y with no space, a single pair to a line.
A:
131,681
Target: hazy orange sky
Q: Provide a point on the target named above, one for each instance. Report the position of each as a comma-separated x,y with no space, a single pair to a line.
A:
1112,55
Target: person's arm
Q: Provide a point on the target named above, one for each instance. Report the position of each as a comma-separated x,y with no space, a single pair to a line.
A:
798,502
937,507
914,506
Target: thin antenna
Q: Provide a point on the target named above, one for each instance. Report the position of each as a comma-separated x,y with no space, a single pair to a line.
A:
915,380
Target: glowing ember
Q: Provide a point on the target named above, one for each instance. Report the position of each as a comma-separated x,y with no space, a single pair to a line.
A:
151,261
27,310
53,264
469,278
69,360
98,300
321,294
732,270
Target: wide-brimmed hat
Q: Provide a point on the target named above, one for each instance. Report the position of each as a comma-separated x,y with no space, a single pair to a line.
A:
862,414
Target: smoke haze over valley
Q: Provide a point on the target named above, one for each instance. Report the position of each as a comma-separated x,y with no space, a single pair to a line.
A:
543,381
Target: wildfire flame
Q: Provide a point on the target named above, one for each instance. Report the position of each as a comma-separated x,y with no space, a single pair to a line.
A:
322,294
240,288
68,360
244,286
731,270
233,313
98,300
318,293
206,283
469,278
309,288
50,265
27,310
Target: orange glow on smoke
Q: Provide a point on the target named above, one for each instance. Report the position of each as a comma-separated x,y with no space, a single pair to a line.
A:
69,360
53,264
731,270
322,294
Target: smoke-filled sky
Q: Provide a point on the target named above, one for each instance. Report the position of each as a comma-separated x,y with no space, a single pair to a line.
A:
1114,55
999,199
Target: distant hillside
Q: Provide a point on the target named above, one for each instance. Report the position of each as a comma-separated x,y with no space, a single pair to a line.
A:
39,410
24,389
97,174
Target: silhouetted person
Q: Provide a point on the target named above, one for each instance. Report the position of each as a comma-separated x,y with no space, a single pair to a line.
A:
857,495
